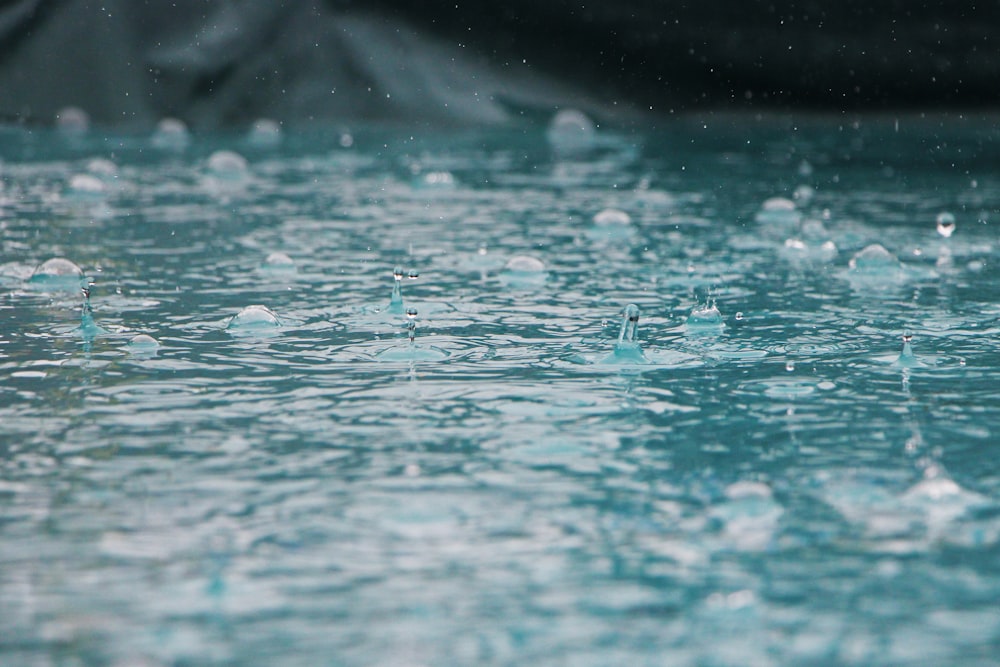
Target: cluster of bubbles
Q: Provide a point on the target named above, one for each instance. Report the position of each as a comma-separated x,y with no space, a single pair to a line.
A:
570,132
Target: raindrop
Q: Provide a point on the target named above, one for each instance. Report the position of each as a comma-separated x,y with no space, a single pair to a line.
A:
789,366
945,224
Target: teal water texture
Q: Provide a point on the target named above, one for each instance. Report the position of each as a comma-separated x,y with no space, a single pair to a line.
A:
241,449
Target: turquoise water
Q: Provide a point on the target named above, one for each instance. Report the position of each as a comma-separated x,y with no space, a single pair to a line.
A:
755,472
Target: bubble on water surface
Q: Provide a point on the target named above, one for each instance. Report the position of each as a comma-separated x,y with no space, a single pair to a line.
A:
103,168
570,131
57,273
254,318
874,259
265,133
611,224
945,224
437,180
171,134
85,186
524,271
804,194
278,263
72,121
227,165
143,345
779,212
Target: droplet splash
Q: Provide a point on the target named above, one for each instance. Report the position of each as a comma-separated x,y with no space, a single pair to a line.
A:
945,224
705,318
88,327
627,349
412,351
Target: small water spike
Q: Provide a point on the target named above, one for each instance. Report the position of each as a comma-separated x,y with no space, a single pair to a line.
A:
627,349
396,300
88,327
412,351
411,325
906,357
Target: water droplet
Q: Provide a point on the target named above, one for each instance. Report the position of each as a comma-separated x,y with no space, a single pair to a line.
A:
739,315
789,366
945,224
346,140
412,275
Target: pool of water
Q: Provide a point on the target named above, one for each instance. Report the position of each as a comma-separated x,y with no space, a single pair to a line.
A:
755,472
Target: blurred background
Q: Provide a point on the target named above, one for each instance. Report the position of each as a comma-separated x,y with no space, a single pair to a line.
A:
224,63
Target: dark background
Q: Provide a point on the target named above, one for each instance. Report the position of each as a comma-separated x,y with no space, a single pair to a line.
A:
220,63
